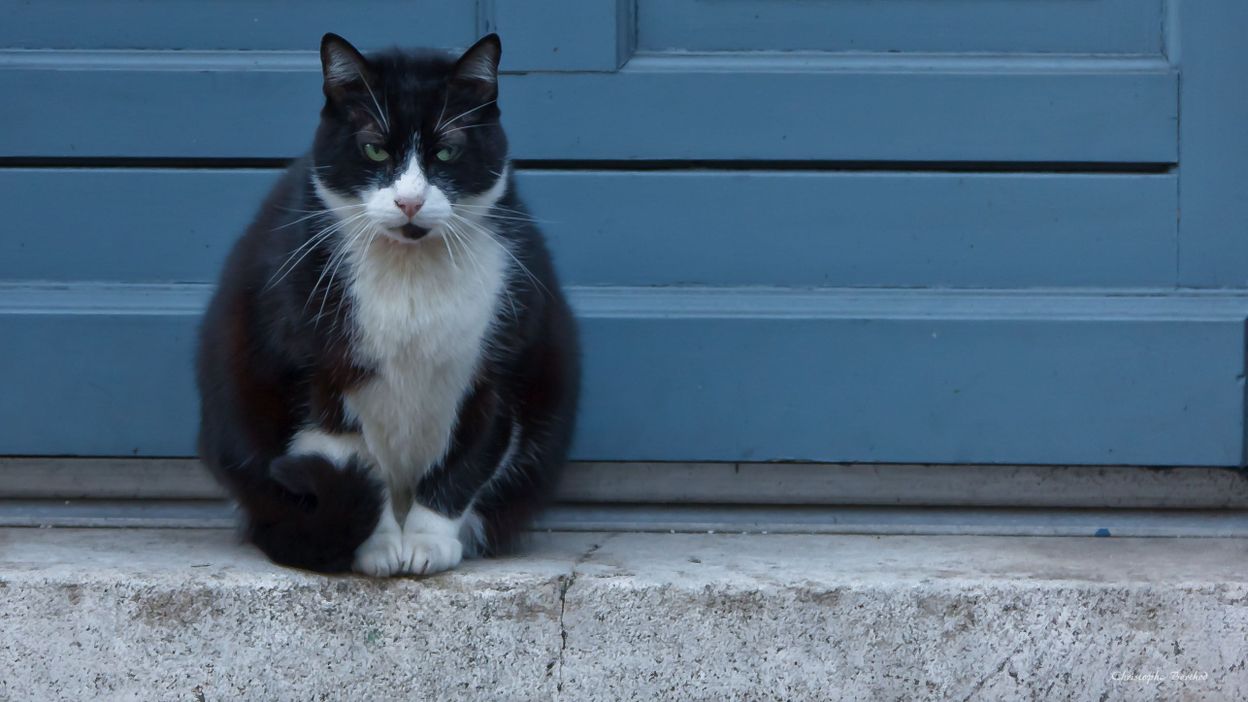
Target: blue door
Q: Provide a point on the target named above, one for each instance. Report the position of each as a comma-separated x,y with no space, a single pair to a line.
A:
914,231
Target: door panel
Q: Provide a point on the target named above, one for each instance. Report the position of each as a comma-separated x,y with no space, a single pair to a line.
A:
923,26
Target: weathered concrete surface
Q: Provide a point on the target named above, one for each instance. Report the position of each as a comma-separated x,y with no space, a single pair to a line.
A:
192,615
183,614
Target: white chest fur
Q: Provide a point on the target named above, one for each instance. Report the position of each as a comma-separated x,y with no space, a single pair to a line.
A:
421,315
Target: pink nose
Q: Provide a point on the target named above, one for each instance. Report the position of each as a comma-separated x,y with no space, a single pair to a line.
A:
410,205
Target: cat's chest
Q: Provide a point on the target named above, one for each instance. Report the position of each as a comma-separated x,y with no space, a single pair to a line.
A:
421,322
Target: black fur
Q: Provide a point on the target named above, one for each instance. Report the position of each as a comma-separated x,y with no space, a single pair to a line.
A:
270,363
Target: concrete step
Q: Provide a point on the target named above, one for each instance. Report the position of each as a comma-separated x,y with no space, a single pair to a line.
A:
191,614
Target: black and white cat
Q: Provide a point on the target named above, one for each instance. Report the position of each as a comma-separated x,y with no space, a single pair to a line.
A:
388,370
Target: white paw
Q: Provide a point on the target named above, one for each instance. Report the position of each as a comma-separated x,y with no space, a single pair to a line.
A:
426,554
381,555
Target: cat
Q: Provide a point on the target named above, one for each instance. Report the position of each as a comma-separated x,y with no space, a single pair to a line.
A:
388,369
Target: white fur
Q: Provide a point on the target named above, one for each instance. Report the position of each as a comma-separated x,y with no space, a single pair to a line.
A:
421,316
411,184
338,448
381,554
431,542
420,323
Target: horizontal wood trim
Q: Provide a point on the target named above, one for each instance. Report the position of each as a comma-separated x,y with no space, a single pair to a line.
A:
265,105
1117,487
897,376
1024,26
657,227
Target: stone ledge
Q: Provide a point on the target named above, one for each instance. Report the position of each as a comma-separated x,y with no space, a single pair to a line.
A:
190,614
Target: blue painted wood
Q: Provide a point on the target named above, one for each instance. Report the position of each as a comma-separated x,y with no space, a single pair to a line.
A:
924,380
1214,226
563,35
171,104
1022,26
859,228
730,374
271,25
658,228
1018,26
171,225
717,368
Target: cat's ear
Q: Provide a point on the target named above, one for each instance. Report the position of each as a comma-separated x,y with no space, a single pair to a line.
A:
344,68
478,67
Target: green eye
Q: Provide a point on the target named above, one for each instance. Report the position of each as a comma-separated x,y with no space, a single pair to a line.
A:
446,154
375,153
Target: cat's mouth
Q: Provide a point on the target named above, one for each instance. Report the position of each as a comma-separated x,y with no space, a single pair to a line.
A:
408,232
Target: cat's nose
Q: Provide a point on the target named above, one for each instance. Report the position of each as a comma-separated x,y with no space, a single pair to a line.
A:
409,205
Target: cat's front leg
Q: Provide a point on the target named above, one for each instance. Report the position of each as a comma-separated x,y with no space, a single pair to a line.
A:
381,554
433,531
431,542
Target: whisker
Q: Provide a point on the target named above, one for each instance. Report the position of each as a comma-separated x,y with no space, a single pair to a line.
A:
468,126
489,235
364,230
511,298
493,211
385,121
307,247
341,255
324,269
465,248
317,213
319,209
289,264
461,115
438,125
447,242
454,233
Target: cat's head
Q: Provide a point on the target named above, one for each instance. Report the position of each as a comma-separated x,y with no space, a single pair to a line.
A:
409,142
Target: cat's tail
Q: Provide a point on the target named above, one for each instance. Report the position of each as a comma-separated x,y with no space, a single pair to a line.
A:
305,512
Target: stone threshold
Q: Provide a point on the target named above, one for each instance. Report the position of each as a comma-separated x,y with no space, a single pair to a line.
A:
192,614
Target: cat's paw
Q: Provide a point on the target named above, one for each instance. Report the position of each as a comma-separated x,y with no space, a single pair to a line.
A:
381,555
426,554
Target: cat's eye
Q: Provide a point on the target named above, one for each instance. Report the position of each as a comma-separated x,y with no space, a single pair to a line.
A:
375,153
448,153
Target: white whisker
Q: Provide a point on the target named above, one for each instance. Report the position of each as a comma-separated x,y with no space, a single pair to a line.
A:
306,248
341,254
489,235
447,242
469,126
384,119
311,214
438,125
453,233
493,212
461,115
